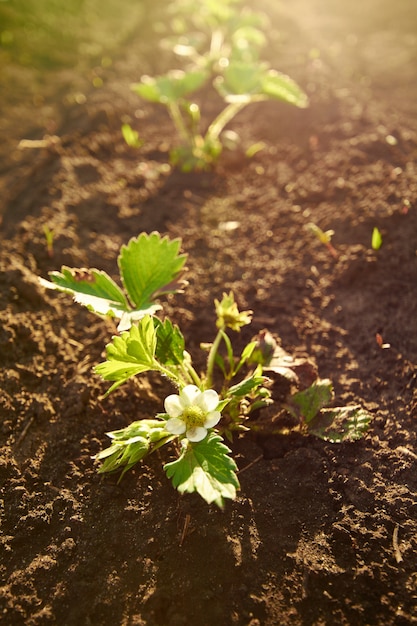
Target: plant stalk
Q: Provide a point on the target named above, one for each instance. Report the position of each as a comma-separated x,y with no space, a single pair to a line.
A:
222,119
194,376
178,120
212,358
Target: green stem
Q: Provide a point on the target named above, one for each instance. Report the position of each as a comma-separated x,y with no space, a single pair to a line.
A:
216,43
178,120
166,372
212,358
222,119
188,372
194,376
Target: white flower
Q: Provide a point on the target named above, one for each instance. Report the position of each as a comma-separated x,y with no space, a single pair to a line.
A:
192,412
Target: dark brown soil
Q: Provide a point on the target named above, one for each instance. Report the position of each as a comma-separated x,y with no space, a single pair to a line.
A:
320,534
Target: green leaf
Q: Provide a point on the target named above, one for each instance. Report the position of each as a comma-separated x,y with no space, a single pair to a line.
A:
282,87
138,428
132,444
248,351
247,385
170,87
130,354
150,266
245,356
170,344
90,287
341,424
211,13
137,345
307,403
251,82
240,78
248,37
122,456
248,19
207,468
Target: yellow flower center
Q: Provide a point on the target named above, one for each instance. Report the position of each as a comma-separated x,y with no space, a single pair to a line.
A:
193,416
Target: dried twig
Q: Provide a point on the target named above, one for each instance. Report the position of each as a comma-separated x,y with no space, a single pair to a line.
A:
258,458
24,431
47,142
397,553
185,528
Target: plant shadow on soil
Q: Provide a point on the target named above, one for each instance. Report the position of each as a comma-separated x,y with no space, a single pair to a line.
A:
319,534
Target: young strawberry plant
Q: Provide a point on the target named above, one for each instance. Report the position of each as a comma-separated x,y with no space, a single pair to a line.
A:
240,84
221,44
223,400
220,29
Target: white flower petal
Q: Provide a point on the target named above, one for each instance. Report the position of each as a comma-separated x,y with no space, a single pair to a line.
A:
175,426
189,395
209,400
196,434
173,405
212,419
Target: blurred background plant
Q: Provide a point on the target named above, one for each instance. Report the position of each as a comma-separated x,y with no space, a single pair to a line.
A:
219,46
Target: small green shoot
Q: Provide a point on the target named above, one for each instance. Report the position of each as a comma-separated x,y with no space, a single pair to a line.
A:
131,136
376,241
324,237
49,238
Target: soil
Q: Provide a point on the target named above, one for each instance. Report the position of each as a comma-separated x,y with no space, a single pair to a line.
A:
320,533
